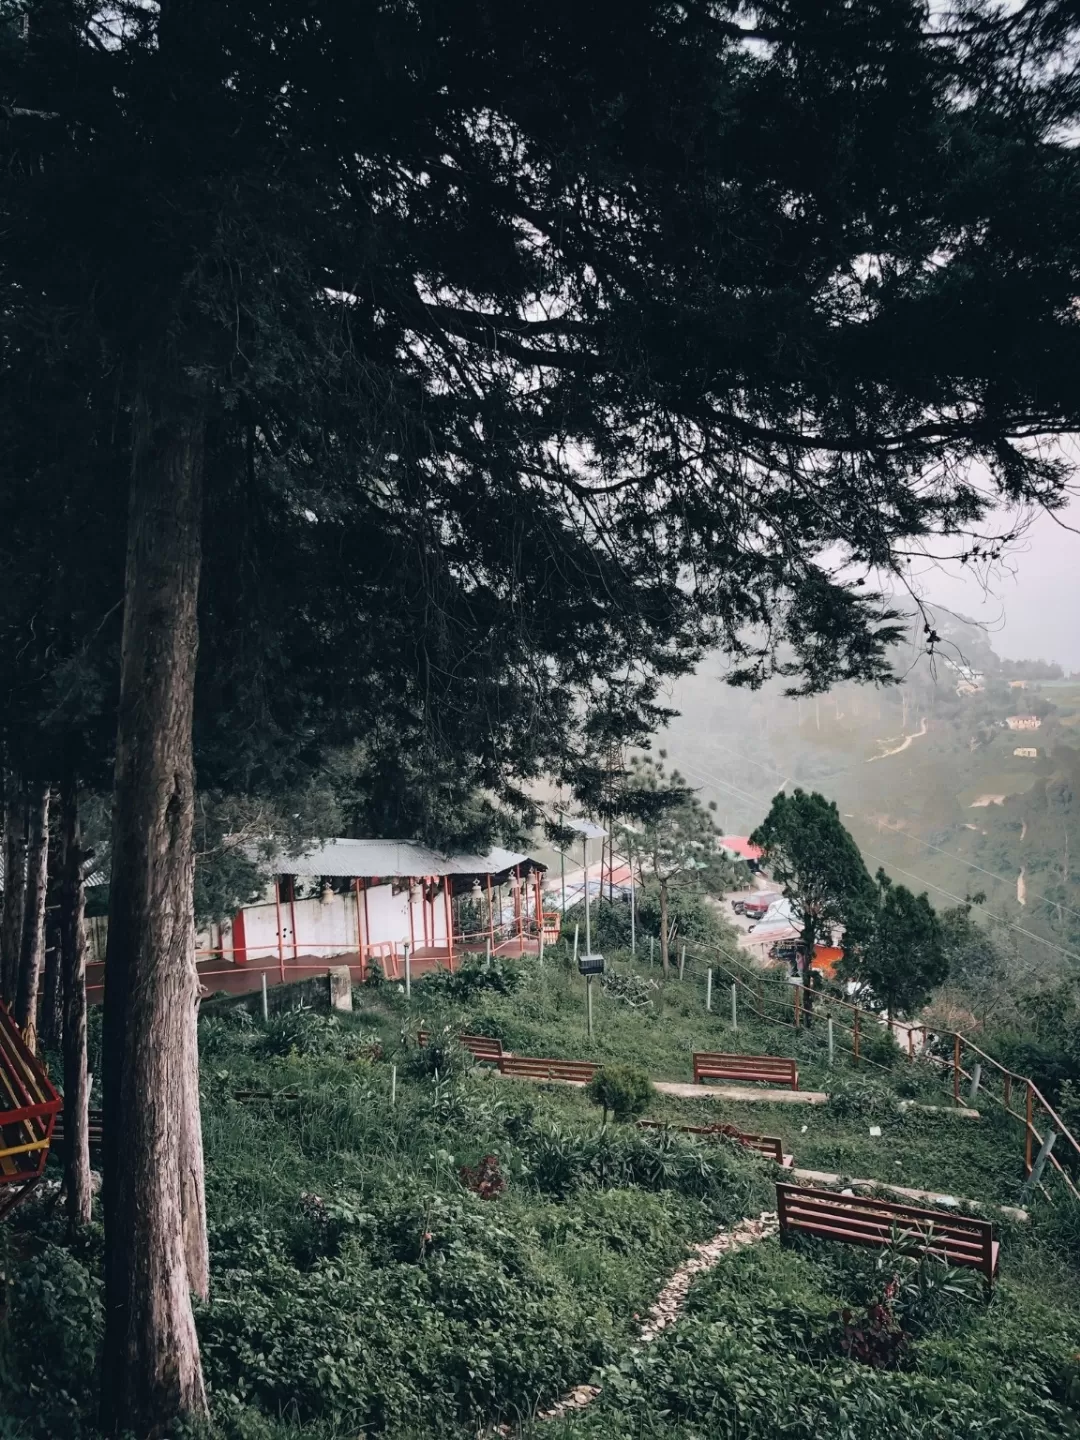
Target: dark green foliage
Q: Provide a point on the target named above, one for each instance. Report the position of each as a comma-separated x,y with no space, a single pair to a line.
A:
49,1333
817,864
624,1091
860,1097
472,978
904,957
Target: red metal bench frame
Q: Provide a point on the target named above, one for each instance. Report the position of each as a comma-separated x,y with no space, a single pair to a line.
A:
769,1145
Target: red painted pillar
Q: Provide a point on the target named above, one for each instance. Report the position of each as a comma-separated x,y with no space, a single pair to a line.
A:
447,884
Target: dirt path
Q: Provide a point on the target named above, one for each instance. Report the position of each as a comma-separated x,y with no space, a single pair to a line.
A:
903,744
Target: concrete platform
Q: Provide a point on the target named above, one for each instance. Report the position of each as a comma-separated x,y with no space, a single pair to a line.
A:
686,1091
925,1197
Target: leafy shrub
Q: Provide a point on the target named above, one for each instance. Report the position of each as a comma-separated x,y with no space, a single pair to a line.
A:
634,991
305,1033
622,1090
48,1344
471,980
877,1044
484,1179
860,1097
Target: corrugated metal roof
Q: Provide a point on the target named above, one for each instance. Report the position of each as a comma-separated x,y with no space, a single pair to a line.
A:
402,859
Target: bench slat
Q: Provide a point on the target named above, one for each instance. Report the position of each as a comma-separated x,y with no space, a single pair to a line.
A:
721,1065
958,1239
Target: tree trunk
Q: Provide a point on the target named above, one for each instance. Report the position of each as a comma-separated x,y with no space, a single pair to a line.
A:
73,972
51,1015
11,925
155,1237
37,879
663,927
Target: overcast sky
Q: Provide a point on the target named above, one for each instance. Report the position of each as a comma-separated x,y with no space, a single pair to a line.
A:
1031,606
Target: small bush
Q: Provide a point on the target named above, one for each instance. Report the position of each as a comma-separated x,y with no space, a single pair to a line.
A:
862,1097
473,979
622,1090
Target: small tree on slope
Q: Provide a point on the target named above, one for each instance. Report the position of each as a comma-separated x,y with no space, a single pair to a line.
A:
905,957
818,866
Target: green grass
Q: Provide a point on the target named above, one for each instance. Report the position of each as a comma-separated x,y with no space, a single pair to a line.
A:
359,1285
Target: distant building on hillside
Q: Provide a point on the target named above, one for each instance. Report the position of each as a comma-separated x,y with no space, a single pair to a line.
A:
1023,722
1018,684
1026,752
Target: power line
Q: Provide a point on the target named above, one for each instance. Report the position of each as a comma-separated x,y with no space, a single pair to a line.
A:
960,900
953,855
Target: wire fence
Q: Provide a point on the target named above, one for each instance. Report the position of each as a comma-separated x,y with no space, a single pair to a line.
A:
1050,1148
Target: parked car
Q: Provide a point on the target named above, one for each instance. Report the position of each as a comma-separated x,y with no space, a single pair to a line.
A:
757,907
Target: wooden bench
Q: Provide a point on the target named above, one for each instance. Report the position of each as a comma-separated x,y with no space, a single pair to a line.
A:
531,1067
859,1220
769,1069
481,1047
770,1145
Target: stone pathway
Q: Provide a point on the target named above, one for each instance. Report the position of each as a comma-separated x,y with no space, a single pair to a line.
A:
671,1301
686,1091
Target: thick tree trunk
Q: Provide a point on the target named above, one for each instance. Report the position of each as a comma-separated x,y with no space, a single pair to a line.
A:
37,879
663,927
11,924
73,972
154,1252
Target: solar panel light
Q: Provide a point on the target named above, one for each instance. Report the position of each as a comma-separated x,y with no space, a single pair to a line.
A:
590,964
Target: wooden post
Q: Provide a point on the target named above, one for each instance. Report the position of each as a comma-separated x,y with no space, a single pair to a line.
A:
856,1035
448,891
1027,1146
708,989
956,1070
265,1001
633,906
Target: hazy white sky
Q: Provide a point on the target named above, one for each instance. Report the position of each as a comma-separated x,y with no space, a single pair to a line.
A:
1031,603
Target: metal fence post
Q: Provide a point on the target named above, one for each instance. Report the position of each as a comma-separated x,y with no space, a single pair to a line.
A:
393,1085
734,1006
832,1042
588,1003
708,988
682,961
1040,1161
652,942
576,929
265,1001
856,1035
956,1070
408,971
976,1077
